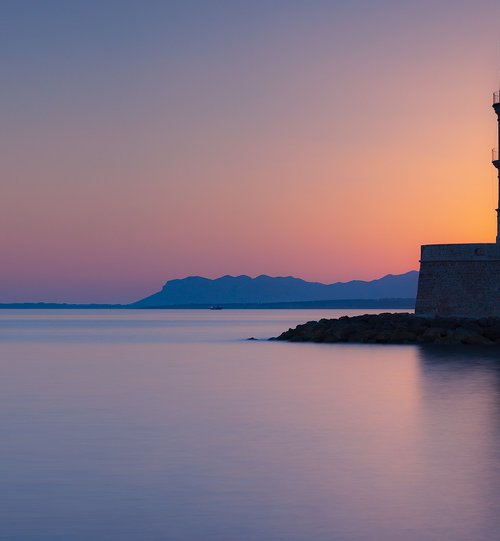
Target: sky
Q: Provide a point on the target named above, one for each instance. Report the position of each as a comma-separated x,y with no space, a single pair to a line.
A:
149,140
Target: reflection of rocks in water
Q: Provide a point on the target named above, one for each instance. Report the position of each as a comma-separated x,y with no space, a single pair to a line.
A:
454,363
398,329
451,362
457,355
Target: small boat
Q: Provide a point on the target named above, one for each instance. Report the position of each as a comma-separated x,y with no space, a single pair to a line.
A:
216,307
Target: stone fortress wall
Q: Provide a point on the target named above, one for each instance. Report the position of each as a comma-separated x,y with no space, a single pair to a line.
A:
459,280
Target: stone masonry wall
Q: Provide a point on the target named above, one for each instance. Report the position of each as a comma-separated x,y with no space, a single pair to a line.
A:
459,280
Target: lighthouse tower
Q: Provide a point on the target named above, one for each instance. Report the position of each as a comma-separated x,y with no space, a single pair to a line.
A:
462,279
496,157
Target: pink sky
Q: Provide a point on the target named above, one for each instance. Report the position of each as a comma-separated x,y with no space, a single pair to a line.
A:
325,142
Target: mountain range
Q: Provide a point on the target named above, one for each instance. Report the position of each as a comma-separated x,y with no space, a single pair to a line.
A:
262,290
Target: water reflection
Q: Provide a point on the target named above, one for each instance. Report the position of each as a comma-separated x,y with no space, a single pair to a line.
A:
181,430
460,442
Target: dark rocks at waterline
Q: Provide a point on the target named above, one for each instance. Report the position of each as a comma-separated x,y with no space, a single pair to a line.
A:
398,329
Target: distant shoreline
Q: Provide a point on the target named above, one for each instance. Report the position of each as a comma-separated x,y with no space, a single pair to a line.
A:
386,304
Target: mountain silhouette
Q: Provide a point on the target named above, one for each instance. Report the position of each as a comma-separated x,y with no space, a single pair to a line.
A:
196,290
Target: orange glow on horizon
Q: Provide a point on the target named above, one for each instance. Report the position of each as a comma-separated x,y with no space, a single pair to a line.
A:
329,158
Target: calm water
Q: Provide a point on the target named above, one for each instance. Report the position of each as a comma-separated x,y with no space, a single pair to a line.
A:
168,425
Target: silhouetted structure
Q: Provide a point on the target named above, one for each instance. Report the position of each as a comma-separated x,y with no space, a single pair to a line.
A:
462,279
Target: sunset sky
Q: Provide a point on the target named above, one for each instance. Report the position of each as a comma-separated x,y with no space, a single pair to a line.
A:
148,140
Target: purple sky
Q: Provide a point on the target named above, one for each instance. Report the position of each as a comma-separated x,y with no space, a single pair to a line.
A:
144,141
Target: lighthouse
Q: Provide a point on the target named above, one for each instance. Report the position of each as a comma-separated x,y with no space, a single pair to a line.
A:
496,157
462,279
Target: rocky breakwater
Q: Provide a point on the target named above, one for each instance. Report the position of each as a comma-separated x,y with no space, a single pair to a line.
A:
398,328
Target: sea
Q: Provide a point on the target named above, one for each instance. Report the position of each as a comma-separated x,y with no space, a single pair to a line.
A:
169,425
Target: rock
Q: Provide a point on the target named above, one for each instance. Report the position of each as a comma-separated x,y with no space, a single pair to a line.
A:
401,328
492,331
477,340
432,334
403,336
